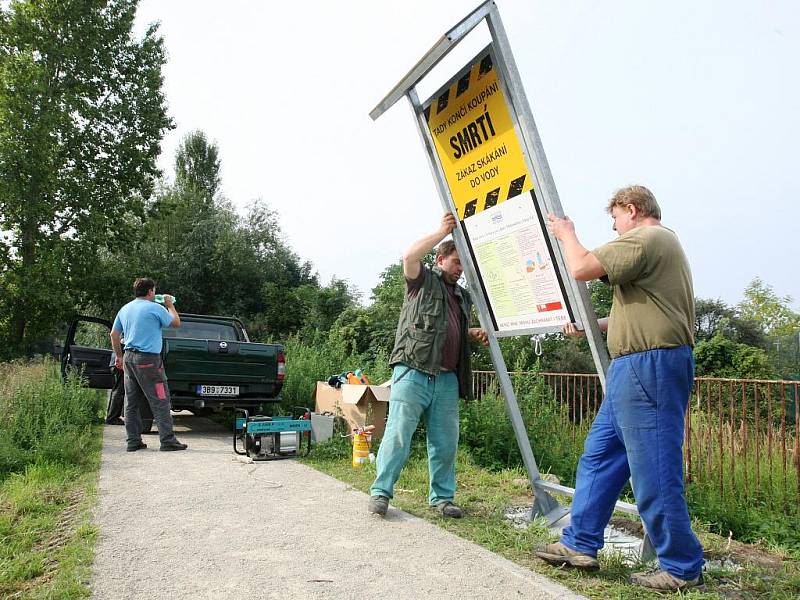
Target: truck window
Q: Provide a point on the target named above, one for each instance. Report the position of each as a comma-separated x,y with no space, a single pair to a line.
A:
202,331
92,335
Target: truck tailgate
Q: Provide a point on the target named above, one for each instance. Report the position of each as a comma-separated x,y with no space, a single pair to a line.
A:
223,362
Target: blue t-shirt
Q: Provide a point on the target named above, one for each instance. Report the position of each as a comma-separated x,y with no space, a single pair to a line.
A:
141,321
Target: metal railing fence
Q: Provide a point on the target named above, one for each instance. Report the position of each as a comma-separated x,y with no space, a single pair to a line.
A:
741,436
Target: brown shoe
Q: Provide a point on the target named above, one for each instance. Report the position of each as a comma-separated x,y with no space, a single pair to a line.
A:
448,509
664,582
559,555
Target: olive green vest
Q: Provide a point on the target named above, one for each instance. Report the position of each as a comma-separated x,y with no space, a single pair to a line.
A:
422,330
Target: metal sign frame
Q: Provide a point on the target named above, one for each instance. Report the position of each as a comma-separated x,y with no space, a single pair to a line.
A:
547,200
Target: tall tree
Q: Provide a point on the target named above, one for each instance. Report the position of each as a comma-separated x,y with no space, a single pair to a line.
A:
187,220
82,115
772,312
197,166
712,316
602,297
371,329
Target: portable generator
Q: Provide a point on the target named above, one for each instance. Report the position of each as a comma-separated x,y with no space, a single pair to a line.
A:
270,438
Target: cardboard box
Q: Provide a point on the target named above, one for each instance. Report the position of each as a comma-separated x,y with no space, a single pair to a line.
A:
357,404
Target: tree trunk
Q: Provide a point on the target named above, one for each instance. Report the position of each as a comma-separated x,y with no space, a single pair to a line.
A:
19,319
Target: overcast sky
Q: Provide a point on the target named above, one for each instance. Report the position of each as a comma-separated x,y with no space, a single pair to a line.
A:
698,100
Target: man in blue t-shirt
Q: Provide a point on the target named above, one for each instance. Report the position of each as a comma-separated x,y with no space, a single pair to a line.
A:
140,321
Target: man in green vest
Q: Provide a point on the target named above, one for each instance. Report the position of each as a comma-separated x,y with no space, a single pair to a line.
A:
431,371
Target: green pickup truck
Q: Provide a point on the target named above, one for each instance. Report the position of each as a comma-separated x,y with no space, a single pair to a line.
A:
210,363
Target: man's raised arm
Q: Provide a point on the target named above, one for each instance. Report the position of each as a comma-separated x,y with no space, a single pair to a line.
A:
170,306
412,259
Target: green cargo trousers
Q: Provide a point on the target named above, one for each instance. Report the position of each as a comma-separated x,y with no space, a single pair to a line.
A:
416,395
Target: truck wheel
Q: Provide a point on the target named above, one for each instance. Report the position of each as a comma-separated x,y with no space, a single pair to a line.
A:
147,425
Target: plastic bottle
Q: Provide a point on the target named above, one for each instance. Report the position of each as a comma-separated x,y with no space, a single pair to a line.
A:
160,299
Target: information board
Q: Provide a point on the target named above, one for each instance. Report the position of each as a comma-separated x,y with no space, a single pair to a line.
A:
475,135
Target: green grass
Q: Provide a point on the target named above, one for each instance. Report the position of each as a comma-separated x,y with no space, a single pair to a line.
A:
50,445
46,532
728,492
42,418
484,494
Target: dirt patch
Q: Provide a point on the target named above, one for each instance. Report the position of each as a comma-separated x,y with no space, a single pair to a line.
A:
65,526
748,554
629,526
735,551
21,590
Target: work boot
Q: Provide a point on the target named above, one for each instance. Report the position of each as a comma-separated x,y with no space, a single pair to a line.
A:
448,509
665,582
135,447
559,555
173,446
378,505
115,421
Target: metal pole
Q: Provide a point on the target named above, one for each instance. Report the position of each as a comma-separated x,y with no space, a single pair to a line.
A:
547,187
543,504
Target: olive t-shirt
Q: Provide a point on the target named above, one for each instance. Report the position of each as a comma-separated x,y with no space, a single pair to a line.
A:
653,296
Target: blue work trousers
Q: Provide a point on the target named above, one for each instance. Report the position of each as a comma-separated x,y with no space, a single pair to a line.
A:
638,433
414,395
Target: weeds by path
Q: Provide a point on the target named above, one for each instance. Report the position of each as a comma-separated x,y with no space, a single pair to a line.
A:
50,440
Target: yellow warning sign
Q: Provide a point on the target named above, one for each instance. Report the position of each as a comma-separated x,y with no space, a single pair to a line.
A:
475,139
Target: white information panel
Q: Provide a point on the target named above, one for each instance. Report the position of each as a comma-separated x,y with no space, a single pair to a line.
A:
511,248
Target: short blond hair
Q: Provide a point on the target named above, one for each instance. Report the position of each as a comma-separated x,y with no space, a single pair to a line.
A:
638,195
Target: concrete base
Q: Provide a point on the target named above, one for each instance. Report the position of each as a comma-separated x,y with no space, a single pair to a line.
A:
616,542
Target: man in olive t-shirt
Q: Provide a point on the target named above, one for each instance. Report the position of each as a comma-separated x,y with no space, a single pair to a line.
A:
638,432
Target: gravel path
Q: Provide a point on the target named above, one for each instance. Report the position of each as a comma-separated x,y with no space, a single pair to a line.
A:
200,524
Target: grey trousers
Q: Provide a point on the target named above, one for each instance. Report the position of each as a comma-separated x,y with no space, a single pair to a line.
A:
145,381
116,399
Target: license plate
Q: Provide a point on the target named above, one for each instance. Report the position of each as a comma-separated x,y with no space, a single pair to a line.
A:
218,390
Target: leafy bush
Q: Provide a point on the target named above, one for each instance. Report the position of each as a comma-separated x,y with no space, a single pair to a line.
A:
43,419
486,430
306,364
556,442
719,356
